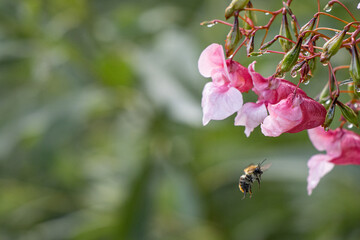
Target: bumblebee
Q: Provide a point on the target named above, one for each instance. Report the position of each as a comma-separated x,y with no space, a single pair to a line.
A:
245,183
256,170
252,173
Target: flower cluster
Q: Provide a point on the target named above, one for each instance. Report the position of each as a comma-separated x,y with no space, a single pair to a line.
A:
282,106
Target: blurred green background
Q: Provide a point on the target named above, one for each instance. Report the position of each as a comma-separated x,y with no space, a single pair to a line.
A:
101,136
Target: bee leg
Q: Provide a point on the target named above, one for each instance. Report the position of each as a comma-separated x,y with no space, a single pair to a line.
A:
250,192
258,182
244,196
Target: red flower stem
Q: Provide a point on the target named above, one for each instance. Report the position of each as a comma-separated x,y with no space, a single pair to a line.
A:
340,67
215,21
248,22
353,35
316,33
259,10
281,36
232,55
265,35
267,26
329,15
271,51
338,2
319,10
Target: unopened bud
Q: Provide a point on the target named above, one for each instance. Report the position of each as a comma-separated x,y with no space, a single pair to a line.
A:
267,44
297,67
354,68
312,65
333,45
232,38
285,31
235,5
250,16
290,58
329,115
304,73
250,45
348,113
326,92
308,26
294,27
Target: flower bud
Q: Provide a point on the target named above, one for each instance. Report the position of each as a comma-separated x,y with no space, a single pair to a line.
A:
250,45
297,68
329,116
348,113
232,38
312,65
290,58
325,95
250,15
352,93
331,47
308,26
304,73
235,5
285,31
267,44
354,68
294,27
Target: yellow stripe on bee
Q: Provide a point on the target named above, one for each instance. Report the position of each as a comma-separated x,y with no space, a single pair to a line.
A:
250,169
242,190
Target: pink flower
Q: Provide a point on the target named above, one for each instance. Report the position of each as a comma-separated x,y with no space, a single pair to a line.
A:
272,90
342,147
250,116
222,97
288,112
292,115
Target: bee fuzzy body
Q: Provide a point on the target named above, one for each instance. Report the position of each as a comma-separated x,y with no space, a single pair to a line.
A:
245,183
252,173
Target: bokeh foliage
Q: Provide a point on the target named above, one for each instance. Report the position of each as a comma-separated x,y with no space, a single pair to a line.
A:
100,134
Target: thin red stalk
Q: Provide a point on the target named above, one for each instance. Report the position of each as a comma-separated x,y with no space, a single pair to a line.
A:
338,2
329,15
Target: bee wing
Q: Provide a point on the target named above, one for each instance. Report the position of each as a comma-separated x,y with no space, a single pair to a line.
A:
266,167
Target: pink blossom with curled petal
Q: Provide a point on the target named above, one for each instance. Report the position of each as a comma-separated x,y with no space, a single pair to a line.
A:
283,116
342,148
293,114
251,115
272,90
222,97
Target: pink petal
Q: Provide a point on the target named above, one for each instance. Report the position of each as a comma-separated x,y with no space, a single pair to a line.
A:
250,116
325,140
319,166
260,83
283,116
313,115
239,75
350,147
272,90
219,103
211,58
